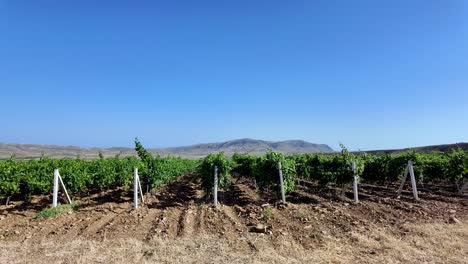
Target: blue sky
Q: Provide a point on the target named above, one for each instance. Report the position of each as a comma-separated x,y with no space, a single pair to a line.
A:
370,74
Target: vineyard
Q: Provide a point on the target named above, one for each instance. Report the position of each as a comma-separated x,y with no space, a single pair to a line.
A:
336,169
250,220
33,177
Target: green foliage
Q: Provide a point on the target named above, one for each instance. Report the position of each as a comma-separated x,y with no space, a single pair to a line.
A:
302,170
52,212
30,177
376,168
141,151
167,169
244,164
398,163
267,213
159,171
341,167
432,167
336,168
36,176
458,165
207,168
267,174
9,177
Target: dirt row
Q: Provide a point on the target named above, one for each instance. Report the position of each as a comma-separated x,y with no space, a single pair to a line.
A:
181,210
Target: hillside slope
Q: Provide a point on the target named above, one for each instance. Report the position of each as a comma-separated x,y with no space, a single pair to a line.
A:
251,146
447,148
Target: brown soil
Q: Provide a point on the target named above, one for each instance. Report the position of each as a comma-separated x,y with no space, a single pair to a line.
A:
315,221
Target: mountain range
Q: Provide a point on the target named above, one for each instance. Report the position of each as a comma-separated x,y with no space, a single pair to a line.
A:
246,145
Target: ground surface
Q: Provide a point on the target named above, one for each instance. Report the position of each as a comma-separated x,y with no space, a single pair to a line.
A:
178,225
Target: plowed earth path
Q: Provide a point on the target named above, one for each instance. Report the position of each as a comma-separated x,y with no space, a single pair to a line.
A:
316,225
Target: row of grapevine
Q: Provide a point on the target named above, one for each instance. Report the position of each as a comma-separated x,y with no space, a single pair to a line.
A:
325,169
29,177
335,168
263,169
430,168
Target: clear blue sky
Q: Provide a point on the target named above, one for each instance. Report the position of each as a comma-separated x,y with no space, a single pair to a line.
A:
370,74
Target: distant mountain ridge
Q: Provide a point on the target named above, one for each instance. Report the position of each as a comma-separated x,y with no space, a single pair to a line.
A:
447,148
245,145
250,146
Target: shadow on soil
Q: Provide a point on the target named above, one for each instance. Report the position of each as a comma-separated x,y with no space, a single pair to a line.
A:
178,193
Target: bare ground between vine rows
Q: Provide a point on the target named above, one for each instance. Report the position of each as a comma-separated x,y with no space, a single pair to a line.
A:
178,224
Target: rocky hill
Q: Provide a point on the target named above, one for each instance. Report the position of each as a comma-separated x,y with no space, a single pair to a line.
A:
250,146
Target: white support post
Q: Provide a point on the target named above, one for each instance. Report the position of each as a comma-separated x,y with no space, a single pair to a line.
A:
403,180
465,186
65,189
413,180
57,179
55,196
283,197
141,191
409,170
135,188
215,188
355,184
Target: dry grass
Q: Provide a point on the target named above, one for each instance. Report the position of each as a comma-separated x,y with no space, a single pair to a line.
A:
428,243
